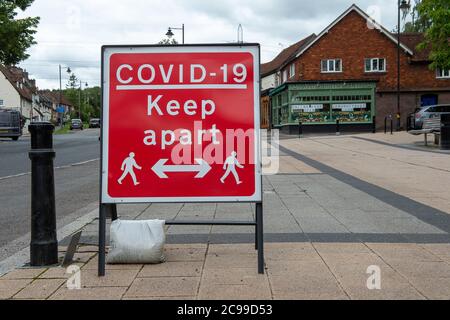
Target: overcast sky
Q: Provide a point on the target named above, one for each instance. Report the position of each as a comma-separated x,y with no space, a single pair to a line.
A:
71,32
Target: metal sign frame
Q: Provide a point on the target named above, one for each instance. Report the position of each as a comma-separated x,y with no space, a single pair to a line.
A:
108,51
108,206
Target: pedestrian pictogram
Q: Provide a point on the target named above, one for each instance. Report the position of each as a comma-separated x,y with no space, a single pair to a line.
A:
128,166
230,166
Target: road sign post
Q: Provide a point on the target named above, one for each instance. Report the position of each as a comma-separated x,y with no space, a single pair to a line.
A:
181,124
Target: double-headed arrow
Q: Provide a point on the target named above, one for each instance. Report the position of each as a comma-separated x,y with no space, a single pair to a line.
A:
160,168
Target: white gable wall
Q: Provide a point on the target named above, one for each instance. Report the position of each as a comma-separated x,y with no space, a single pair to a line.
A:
268,82
12,100
9,95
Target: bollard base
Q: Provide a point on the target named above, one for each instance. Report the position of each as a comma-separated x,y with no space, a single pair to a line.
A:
43,254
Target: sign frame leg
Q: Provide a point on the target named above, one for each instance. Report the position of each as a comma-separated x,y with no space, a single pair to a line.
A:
260,236
106,211
102,240
113,212
256,230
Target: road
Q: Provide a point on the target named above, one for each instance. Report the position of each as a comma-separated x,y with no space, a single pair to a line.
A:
76,185
70,148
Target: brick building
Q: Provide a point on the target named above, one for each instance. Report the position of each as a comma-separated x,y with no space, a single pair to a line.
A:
349,72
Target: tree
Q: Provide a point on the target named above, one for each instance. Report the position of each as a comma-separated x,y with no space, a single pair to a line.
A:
71,93
73,81
16,35
418,23
87,101
437,34
168,41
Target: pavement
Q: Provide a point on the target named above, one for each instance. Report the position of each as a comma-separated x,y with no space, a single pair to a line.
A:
340,208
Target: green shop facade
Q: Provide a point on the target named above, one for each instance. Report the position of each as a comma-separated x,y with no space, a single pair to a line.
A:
318,106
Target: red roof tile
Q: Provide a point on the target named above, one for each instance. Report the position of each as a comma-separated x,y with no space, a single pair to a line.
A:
284,56
19,80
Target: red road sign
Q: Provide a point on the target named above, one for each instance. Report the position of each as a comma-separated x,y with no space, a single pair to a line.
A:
181,124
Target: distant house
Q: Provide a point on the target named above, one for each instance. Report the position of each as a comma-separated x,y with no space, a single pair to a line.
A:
45,107
18,92
56,99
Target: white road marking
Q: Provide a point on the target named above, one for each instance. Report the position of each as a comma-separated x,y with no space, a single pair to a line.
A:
61,167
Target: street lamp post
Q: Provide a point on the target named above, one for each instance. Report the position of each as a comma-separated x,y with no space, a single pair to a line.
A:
170,33
403,7
60,92
79,98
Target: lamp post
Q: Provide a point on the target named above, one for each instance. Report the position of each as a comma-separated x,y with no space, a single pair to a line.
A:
79,98
60,91
403,7
170,33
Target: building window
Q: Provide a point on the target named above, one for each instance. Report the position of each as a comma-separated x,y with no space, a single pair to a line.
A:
375,65
284,76
331,65
443,73
1,103
292,70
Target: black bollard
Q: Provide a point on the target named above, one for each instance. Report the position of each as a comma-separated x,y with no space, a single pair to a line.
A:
445,131
338,127
374,124
392,126
385,125
44,243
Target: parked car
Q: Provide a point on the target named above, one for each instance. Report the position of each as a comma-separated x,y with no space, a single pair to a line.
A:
429,112
94,123
10,124
76,124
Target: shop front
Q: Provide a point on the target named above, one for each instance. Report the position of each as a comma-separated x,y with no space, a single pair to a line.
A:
318,105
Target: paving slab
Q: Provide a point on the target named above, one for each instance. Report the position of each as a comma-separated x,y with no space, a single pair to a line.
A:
163,287
172,269
113,278
40,289
306,287
24,273
436,288
8,288
93,265
403,251
57,272
185,253
96,293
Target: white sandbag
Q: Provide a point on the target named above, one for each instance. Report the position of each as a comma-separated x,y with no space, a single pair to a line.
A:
137,241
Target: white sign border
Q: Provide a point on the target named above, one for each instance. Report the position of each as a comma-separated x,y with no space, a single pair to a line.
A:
108,51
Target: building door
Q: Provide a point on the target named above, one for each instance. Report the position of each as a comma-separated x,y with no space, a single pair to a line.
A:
428,100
